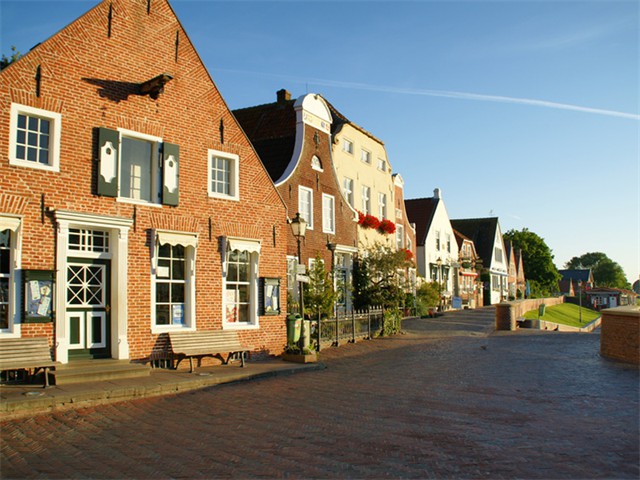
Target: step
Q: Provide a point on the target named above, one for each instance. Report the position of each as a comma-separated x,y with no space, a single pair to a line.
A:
98,370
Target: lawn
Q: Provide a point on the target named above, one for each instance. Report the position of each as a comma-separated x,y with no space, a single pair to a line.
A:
566,314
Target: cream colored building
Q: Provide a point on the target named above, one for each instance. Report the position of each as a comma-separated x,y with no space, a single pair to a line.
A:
361,164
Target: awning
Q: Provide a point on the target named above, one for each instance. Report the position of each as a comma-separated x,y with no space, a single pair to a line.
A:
251,246
174,238
9,223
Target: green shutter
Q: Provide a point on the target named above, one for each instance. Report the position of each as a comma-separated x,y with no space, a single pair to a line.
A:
170,174
108,148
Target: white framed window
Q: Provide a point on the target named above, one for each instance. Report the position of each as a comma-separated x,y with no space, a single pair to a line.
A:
437,239
173,281
399,236
366,200
449,242
223,175
328,214
305,205
498,254
382,164
139,178
347,146
382,205
34,138
316,164
365,156
347,188
241,283
398,214
9,276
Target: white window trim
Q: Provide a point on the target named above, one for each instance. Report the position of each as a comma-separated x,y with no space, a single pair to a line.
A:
349,194
190,242
366,206
382,205
254,252
382,164
316,164
362,152
310,191
331,228
54,137
156,181
15,276
235,175
346,141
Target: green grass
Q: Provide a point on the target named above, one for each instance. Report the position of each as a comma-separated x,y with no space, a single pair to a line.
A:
566,314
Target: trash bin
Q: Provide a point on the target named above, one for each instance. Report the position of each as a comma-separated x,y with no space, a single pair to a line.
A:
541,310
294,325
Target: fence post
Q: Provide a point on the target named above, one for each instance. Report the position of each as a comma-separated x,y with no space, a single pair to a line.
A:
353,326
337,342
319,332
369,323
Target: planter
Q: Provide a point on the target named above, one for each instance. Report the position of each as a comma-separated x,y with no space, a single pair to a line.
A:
300,357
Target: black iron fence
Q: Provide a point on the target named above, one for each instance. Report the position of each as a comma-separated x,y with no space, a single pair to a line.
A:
348,327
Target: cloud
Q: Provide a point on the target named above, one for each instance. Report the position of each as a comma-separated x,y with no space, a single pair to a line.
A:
446,94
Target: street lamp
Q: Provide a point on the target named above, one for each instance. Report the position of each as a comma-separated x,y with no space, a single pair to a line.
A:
299,228
580,298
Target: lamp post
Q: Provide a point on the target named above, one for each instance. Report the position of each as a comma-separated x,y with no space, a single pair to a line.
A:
299,228
580,298
439,264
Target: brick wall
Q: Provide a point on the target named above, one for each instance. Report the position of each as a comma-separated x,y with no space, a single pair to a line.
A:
91,78
620,334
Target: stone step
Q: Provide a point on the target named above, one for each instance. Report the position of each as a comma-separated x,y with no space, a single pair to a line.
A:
98,370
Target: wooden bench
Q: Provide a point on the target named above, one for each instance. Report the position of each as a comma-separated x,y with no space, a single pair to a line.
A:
213,343
26,354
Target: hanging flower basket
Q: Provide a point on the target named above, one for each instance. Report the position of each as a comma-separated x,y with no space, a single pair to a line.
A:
369,221
408,254
387,227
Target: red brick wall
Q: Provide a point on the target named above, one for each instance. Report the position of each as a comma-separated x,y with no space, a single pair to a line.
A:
319,182
87,77
620,334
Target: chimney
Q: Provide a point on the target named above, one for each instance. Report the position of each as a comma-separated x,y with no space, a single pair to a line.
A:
437,193
283,96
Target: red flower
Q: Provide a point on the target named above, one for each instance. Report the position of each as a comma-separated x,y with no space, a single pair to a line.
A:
387,227
370,221
408,254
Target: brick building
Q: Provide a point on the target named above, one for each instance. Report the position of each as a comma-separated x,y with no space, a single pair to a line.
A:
131,203
293,139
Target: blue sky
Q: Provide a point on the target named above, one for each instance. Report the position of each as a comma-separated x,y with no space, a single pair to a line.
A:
525,110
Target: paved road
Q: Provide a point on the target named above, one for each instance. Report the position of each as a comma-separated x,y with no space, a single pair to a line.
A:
445,400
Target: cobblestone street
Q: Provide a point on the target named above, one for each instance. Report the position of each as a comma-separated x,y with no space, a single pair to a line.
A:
449,398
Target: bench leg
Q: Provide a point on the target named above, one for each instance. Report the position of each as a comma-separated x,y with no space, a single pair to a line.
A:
46,377
190,364
242,359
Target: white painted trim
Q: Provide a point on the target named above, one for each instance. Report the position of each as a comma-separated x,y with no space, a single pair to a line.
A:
235,174
118,229
15,276
54,137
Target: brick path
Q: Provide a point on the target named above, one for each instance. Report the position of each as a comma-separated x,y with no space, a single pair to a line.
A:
442,401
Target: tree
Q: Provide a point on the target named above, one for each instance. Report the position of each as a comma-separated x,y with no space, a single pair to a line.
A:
377,278
428,296
5,61
319,294
606,272
537,261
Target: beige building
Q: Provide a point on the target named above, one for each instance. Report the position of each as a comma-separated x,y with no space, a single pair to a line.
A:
361,164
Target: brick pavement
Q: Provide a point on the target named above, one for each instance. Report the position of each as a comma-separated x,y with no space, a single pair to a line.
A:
445,400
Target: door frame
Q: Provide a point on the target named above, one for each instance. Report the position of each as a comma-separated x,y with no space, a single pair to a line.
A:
118,230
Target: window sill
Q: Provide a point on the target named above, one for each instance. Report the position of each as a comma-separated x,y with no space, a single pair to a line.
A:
220,196
34,165
138,202
240,326
171,328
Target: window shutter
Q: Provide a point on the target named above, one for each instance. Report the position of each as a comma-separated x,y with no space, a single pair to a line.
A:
170,174
108,148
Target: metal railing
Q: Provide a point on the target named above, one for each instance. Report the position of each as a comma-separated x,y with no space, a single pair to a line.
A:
348,326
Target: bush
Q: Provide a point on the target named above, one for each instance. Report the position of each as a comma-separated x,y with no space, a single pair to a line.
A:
392,322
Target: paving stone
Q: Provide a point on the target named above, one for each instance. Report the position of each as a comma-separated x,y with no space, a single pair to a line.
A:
448,399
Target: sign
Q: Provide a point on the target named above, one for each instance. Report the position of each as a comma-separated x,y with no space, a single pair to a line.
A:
302,278
301,268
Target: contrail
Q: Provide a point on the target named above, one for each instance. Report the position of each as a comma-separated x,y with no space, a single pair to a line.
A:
447,94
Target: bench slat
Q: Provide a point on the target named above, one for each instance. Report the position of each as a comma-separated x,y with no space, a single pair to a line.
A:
201,343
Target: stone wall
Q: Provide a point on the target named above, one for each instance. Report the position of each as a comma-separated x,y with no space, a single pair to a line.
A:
507,313
620,334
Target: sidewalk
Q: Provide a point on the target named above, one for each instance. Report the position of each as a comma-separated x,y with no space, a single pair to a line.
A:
26,400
